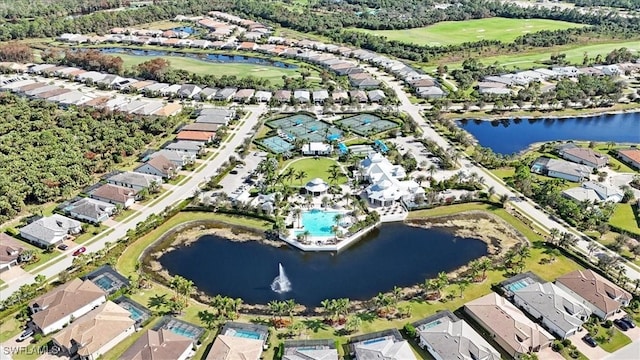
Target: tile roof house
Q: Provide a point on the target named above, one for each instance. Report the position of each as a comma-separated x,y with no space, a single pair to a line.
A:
50,230
229,347
340,96
243,95
320,96
55,309
363,81
91,210
115,195
358,95
386,344
169,109
507,325
134,180
445,337
189,91
282,95
310,350
201,136
263,96
10,250
159,345
206,94
630,156
376,96
201,126
584,156
159,166
560,313
302,96
191,147
225,94
600,295
97,332
560,169
179,158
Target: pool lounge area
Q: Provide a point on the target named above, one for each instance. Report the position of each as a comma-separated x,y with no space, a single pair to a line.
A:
107,279
518,282
180,327
139,313
245,331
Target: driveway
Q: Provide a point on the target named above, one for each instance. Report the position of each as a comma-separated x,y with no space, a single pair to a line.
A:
595,353
12,274
548,354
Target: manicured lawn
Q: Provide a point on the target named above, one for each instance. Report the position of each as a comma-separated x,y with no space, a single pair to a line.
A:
617,341
625,218
90,231
124,214
128,259
43,257
9,327
504,173
176,179
314,168
272,73
456,32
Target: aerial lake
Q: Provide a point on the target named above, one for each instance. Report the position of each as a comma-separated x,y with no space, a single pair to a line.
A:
513,135
213,58
394,255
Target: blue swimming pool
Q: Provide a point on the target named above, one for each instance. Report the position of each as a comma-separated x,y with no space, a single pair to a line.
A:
104,282
319,222
191,333
520,284
136,314
373,341
246,334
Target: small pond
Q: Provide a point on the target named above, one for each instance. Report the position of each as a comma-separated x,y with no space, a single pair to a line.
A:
394,255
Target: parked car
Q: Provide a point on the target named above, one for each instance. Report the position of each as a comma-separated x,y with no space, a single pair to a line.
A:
233,172
589,340
621,325
63,247
628,321
25,335
79,251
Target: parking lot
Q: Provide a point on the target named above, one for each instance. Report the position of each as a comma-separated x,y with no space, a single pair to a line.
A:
235,183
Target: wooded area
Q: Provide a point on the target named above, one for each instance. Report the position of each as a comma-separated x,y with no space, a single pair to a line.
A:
51,153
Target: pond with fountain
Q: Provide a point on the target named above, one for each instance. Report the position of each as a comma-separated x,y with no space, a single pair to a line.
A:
396,254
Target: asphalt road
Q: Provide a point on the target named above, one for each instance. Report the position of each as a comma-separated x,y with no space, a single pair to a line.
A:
179,192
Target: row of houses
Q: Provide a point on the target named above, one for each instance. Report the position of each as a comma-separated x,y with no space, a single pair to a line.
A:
578,163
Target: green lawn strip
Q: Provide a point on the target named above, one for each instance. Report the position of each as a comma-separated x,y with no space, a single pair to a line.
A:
624,218
176,180
44,258
457,32
90,232
127,261
314,168
9,327
504,173
617,341
160,198
125,214
102,235
117,351
565,354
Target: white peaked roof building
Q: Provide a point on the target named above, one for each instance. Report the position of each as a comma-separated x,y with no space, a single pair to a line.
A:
382,345
386,181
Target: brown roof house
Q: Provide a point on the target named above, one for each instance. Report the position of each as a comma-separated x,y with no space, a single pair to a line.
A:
92,335
55,309
228,347
10,250
631,157
159,166
114,194
584,156
603,297
507,325
190,135
159,345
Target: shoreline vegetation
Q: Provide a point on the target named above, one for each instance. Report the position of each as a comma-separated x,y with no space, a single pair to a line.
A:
541,115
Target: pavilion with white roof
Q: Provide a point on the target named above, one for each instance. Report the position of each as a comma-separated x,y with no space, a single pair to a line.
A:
316,186
386,181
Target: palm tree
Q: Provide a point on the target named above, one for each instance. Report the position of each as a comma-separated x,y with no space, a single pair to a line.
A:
397,294
509,258
353,324
157,301
328,306
299,175
337,218
462,285
524,252
308,199
432,170
567,239
289,307
325,201
297,214
554,233
420,178
592,247
636,284
474,268
208,318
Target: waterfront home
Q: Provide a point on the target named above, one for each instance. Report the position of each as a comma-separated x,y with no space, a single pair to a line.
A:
584,156
310,350
95,333
161,344
594,191
560,313
114,194
134,180
316,148
190,147
386,344
239,341
507,325
386,181
90,210
225,94
263,96
560,169
159,166
630,156
54,310
201,136
179,158
446,337
10,250
171,90
600,295
50,230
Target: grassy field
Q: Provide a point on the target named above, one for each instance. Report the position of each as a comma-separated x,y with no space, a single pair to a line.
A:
456,32
625,218
271,73
314,168
617,341
531,59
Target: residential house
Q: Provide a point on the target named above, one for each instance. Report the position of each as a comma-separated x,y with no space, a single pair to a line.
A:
179,158
225,94
358,96
584,156
560,169
263,96
363,81
446,337
243,95
159,166
201,136
206,94
430,92
316,148
600,295
159,345
247,46
190,147
558,312
320,96
630,156
227,115
114,194
50,230
188,91
134,180
310,350
301,96
376,96
149,108
340,96
386,344
282,96
90,210
201,126
507,325
171,90
10,250
594,191
95,333
233,344
54,310
170,109
199,43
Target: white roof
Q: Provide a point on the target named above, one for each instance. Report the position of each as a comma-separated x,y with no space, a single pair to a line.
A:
316,185
316,146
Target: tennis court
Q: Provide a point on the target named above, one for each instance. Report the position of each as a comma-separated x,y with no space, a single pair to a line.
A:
366,124
304,127
276,144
